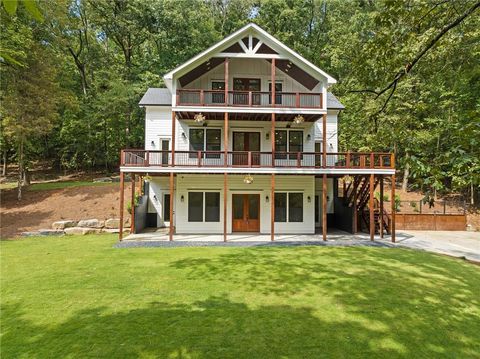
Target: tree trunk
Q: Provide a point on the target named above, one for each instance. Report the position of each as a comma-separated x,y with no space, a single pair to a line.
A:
4,164
20,169
26,177
406,174
472,200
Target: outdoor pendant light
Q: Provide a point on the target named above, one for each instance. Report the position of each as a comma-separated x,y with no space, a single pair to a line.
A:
199,118
248,179
298,120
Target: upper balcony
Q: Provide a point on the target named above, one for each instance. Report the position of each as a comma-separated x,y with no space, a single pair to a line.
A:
250,99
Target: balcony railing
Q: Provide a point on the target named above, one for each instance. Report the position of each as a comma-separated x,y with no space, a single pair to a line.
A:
248,99
251,159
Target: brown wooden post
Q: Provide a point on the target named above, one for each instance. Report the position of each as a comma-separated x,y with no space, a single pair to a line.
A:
225,203
392,201
370,208
324,206
173,137
225,139
324,139
132,201
272,73
171,207
381,207
272,208
226,80
122,200
272,137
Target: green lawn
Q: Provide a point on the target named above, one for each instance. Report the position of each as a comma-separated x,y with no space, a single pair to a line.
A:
77,297
42,186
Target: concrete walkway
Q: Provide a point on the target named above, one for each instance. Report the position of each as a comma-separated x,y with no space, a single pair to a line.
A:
457,244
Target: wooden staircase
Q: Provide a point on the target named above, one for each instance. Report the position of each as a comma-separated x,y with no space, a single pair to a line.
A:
357,195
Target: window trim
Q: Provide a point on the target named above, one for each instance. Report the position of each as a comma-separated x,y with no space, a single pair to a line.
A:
204,192
281,156
194,155
287,207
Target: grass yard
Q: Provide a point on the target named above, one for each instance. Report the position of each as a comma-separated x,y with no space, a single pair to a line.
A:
45,186
77,297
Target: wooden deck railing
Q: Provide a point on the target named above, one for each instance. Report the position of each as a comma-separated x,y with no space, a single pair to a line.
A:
248,99
251,159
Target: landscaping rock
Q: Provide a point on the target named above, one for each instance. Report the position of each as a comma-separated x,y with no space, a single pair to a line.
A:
50,232
103,179
112,223
63,224
114,230
30,234
81,230
91,223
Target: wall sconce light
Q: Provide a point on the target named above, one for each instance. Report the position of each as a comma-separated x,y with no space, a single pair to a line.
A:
155,198
184,135
328,198
267,135
182,198
288,125
267,199
152,143
204,124
309,199
309,137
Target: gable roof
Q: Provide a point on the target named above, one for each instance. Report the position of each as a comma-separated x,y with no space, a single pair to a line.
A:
163,97
156,97
230,40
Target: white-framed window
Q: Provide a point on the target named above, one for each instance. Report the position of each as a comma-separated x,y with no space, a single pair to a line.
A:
288,141
288,207
204,139
203,206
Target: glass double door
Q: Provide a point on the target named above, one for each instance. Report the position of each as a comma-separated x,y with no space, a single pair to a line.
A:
244,142
246,212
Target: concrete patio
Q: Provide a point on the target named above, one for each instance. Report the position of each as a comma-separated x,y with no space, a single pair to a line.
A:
457,244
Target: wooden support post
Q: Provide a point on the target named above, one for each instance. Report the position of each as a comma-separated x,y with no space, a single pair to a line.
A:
171,207
381,207
392,201
132,202
324,140
272,70
225,139
324,206
370,207
272,208
225,203
122,200
174,117
226,80
272,138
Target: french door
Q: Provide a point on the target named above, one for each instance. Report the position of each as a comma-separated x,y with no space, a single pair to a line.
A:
246,212
242,86
244,142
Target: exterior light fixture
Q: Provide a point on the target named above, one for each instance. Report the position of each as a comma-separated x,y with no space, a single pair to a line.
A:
309,199
199,118
298,120
267,199
248,179
152,143
309,137
184,135
182,198
267,136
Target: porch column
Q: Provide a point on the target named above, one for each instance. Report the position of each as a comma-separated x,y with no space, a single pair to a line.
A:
122,194
392,201
225,139
370,207
171,207
324,139
381,207
174,117
225,204
324,206
272,74
272,208
132,201
226,80
272,138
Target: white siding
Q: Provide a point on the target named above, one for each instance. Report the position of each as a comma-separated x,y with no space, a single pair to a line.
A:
332,131
261,185
158,124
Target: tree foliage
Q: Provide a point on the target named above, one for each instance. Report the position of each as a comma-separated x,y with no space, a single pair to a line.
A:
408,73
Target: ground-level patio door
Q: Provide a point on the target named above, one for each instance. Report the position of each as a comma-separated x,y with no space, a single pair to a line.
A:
244,142
246,212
